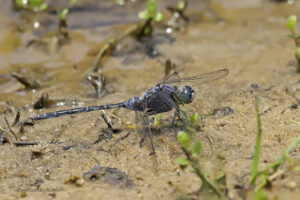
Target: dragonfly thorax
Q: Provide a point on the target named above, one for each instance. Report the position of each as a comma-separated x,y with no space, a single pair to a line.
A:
187,95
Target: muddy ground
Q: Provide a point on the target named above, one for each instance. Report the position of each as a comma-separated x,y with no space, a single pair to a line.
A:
247,37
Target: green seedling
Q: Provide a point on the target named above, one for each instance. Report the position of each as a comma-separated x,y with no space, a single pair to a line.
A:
194,117
73,2
120,2
62,15
144,29
269,172
192,151
157,119
32,5
254,168
179,9
291,23
178,18
148,15
260,195
63,34
188,122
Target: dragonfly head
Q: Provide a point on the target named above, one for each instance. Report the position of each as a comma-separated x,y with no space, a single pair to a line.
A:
187,95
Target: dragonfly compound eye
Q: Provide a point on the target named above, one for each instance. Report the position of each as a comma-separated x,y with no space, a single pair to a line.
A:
187,95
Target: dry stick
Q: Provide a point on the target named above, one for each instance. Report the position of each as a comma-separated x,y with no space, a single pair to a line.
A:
21,143
106,119
29,84
17,118
17,142
9,128
6,136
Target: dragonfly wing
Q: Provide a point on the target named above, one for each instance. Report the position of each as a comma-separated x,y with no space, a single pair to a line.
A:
172,80
201,79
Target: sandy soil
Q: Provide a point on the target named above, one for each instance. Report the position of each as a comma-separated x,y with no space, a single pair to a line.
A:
249,39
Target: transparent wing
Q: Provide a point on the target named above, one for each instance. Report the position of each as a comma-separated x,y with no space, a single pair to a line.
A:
199,79
173,79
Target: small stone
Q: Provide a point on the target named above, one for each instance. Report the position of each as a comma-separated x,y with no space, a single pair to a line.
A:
223,111
294,106
74,180
23,194
254,86
112,176
291,185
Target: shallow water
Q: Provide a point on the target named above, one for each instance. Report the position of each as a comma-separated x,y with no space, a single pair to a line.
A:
246,37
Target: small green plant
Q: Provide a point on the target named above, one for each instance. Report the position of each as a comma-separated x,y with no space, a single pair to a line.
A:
178,19
192,151
157,119
180,8
148,15
62,14
120,2
73,2
269,172
254,170
63,34
33,5
291,22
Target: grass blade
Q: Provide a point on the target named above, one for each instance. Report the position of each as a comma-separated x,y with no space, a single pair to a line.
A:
254,168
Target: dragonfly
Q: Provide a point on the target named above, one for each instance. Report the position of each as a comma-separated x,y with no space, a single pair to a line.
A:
163,97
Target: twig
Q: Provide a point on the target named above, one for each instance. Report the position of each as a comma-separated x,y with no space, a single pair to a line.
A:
17,118
106,119
23,143
6,136
10,129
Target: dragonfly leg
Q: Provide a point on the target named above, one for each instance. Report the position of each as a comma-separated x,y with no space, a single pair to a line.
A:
146,131
146,127
176,114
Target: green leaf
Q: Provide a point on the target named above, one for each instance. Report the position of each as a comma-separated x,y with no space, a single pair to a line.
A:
43,6
180,5
288,149
157,119
158,17
197,147
194,117
183,161
151,7
184,139
143,15
291,22
254,167
298,53
260,195
63,13
221,177
297,168
35,3
20,3
72,2
291,36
